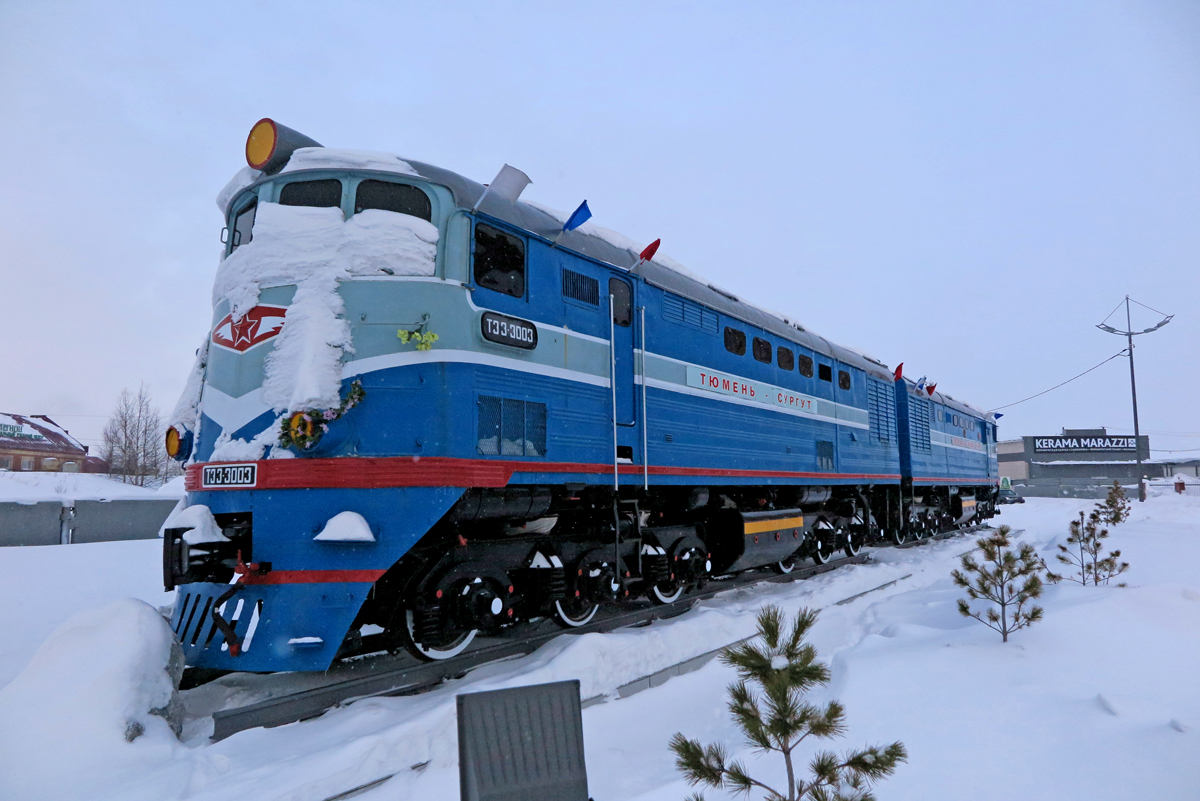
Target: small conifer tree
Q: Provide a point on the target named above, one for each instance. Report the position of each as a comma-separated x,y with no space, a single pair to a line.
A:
1115,508
1007,579
1084,551
775,718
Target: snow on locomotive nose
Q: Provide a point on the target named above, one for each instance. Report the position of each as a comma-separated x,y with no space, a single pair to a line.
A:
426,409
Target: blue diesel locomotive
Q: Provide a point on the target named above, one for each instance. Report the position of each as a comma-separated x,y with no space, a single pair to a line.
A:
427,408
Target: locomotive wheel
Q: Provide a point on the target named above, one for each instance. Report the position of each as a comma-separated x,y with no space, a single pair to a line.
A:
572,612
448,651
820,551
918,531
854,543
666,592
897,536
786,566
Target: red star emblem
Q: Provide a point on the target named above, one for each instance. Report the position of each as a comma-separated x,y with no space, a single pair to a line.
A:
255,326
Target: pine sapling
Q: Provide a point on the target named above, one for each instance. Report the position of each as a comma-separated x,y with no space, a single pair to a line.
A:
1115,508
768,705
1084,551
1007,579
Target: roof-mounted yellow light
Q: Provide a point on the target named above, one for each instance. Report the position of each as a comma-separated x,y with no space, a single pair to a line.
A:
260,145
270,145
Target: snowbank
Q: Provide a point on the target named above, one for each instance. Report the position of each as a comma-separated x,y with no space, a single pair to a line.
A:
172,489
94,702
1098,701
35,487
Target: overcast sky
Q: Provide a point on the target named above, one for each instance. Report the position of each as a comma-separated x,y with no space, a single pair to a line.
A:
965,187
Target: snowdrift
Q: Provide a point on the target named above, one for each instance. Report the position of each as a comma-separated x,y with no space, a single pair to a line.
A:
97,700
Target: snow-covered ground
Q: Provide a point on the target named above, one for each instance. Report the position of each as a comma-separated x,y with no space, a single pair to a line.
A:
1099,701
35,487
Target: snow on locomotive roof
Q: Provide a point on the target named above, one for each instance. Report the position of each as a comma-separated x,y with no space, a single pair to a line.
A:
588,240
946,400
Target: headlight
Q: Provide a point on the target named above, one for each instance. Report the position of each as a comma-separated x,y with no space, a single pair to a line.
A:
270,145
178,443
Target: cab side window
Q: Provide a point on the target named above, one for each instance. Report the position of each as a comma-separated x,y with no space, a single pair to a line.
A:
622,302
806,365
785,357
735,341
243,226
499,261
762,350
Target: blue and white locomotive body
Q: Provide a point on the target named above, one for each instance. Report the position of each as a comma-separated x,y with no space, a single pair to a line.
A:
428,408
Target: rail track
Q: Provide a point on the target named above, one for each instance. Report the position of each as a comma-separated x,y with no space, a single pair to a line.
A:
387,674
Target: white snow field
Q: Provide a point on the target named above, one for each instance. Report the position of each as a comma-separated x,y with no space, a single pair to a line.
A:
1101,700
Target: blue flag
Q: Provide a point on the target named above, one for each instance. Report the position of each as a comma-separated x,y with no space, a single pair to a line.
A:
578,217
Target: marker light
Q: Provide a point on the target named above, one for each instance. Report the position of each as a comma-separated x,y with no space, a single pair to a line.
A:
178,444
270,145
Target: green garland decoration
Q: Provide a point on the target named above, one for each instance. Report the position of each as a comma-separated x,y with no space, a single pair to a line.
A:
423,341
303,430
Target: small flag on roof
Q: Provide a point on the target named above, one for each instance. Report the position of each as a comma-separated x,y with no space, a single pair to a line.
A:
647,253
899,372
578,217
997,415
509,183
931,388
921,383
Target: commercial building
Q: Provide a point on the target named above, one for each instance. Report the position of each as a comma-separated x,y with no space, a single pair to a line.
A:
35,443
1082,463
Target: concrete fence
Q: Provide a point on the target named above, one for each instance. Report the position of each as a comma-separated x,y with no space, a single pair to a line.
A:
54,523
1070,488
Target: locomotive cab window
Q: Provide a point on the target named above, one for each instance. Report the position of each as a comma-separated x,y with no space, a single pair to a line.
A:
735,341
843,379
622,302
243,226
319,194
806,365
786,359
499,261
387,196
762,350
825,372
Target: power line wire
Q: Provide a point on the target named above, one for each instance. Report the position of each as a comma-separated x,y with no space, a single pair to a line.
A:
1056,386
1144,306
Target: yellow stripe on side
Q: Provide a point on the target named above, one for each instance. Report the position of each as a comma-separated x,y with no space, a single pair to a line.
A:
759,526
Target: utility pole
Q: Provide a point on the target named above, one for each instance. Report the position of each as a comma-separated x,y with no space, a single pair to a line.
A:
1129,334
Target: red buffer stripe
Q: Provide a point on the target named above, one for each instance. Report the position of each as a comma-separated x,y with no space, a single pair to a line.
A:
313,576
373,473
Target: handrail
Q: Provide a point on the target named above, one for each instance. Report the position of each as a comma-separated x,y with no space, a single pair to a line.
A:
645,416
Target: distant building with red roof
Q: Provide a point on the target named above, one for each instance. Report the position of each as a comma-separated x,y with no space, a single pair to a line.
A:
35,443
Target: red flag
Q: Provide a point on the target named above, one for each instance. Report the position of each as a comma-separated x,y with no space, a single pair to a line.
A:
899,371
651,249
931,388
